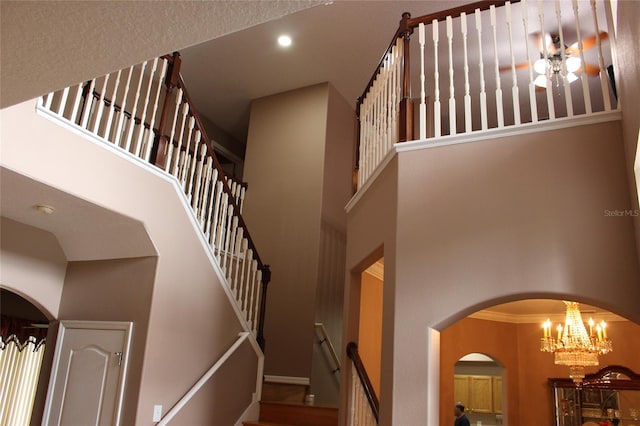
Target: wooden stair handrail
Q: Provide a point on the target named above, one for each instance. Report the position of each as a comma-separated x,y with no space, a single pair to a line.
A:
352,353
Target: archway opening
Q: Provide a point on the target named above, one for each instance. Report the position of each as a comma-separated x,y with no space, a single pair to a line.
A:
477,384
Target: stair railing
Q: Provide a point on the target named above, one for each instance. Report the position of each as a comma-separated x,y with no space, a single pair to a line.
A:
146,111
325,340
451,60
363,405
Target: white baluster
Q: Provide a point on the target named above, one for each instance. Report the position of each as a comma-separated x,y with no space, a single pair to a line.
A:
76,104
467,95
423,103
545,52
216,214
227,236
98,117
198,178
483,93
242,284
233,237
238,248
222,224
63,102
436,80
159,84
259,295
514,90
132,121
499,107
563,72
249,304
243,192
532,86
202,217
584,78
49,101
192,170
170,148
395,94
143,116
452,99
118,136
112,107
182,172
603,71
88,102
183,124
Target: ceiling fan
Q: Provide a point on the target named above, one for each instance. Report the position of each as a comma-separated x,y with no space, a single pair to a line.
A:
551,65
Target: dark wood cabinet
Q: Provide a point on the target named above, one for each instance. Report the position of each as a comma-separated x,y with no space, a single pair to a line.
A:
611,396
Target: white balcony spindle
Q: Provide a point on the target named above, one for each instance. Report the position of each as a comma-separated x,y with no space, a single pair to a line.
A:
532,86
436,80
171,149
423,103
205,199
88,102
158,84
230,246
63,101
196,159
112,106
216,215
584,78
198,176
545,53
603,71
76,104
499,106
483,93
467,96
249,303
134,110
182,172
222,223
563,55
452,98
238,250
143,114
100,109
118,133
514,89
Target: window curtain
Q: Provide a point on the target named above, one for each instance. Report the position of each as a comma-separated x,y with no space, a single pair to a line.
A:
21,351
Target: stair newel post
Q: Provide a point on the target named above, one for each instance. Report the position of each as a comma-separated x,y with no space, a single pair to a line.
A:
161,141
266,278
406,103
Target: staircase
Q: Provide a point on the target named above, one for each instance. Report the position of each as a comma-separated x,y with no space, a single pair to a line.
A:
291,414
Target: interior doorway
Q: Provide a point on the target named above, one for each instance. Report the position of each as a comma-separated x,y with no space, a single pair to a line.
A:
478,384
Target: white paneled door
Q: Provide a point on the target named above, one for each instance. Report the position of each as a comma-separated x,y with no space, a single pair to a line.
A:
88,373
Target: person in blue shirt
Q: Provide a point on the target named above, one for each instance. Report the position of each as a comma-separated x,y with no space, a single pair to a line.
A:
461,418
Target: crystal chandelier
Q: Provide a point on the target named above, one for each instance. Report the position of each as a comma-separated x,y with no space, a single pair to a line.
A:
575,347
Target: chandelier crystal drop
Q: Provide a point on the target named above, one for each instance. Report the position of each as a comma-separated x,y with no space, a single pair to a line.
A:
574,346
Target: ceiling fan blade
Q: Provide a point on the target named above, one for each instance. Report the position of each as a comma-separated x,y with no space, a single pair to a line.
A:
521,65
587,43
538,39
590,69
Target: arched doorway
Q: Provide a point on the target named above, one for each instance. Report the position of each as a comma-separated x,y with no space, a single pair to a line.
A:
511,333
23,331
477,385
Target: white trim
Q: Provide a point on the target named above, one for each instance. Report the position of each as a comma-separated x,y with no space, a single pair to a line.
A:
204,379
481,135
126,326
538,318
120,152
288,380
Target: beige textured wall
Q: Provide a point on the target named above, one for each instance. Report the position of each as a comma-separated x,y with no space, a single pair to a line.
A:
187,293
492,221
284,169
114,290
32,265
336,192
628,84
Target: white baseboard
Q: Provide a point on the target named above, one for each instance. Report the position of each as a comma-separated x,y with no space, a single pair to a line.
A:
289,380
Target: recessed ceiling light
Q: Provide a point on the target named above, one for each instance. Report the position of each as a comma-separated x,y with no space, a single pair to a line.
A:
44,208
284,40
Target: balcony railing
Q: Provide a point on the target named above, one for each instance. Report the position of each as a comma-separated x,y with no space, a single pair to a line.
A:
487,65
146,111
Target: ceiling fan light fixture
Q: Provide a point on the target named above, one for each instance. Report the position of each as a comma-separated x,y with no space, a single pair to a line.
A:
541,81
540,66
573,64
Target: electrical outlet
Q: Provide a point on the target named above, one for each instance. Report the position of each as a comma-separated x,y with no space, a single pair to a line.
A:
157,413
